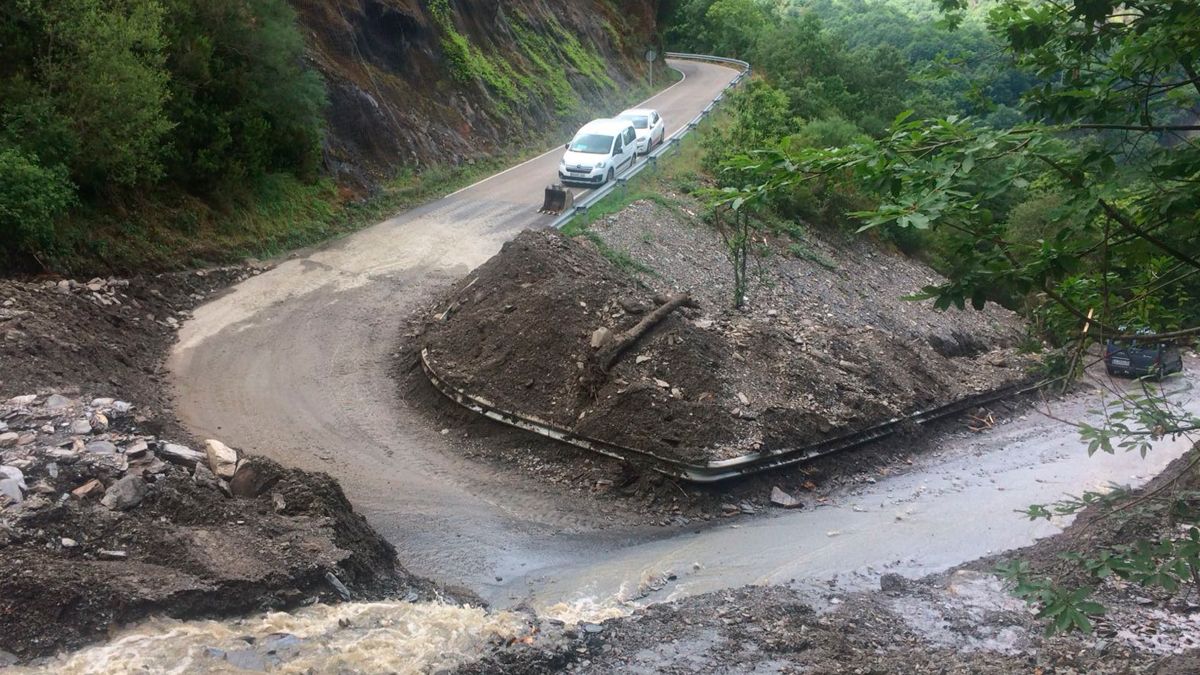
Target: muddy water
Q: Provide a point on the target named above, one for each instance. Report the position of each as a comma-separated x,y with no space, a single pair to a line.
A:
356,637
390,637
954,506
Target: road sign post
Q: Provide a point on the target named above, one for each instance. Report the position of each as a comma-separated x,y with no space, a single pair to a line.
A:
651,57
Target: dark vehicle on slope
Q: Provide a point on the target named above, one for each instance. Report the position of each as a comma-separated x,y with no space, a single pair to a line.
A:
1142,357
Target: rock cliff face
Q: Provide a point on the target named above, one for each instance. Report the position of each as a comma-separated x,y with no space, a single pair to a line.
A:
416,82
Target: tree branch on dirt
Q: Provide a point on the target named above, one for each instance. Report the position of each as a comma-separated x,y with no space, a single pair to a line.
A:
609,352
607,355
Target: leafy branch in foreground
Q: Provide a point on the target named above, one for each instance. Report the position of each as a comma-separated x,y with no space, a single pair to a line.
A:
1064,609
1108,251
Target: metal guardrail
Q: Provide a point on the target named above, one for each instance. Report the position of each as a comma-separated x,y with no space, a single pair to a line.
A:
718,470
582,204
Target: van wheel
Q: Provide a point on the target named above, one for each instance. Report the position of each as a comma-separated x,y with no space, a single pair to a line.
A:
612,173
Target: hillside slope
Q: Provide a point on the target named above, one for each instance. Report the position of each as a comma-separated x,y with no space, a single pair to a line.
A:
212,130
446,81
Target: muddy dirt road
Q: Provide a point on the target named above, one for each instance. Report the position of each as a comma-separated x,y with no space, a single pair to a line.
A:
294,364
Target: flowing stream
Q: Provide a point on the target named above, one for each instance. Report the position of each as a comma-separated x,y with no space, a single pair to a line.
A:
391,637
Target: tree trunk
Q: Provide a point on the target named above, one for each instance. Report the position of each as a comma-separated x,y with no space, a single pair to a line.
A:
604,358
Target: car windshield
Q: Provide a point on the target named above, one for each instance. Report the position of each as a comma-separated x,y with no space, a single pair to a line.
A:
639,121
594,144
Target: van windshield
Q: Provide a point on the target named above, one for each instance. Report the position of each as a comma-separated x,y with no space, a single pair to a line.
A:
594,144
639,121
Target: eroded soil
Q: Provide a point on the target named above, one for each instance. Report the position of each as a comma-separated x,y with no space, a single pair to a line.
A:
109,513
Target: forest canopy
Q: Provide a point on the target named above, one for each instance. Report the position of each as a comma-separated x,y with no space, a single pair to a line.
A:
104,101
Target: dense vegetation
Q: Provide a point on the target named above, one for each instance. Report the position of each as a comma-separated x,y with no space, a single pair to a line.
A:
842,73
106,102
137,135
1043,155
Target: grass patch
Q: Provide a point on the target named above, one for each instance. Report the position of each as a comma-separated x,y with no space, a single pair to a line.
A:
619,258
800,246
171,231
802,250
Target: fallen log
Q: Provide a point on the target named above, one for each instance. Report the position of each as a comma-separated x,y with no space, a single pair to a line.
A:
607,356
610,349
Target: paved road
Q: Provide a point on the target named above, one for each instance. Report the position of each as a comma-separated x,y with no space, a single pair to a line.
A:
293,364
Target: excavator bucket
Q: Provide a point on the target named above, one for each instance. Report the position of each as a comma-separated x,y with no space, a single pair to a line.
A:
558,199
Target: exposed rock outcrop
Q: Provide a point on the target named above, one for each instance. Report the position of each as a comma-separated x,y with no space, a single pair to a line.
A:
449,81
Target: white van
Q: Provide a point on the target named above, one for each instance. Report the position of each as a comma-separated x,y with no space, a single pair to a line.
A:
600,150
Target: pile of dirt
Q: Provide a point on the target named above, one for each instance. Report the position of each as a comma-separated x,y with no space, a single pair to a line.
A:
110,512
708,382
102,524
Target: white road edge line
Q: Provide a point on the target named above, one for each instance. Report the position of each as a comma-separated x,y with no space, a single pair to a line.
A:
556,148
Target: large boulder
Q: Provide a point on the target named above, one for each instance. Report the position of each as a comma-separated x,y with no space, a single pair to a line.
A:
222,459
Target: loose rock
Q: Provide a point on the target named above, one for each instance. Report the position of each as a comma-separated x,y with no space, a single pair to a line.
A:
784,500
11,489
101,448
342,591
136,449
221,458
92,488
125,493
600,337
56,401
180,454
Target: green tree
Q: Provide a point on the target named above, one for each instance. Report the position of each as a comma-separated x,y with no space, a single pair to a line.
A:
733,26
243,102
100,63
722,27
32,197
1114,145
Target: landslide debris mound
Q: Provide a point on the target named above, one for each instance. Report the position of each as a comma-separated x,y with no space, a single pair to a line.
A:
708,382
104,520
102,524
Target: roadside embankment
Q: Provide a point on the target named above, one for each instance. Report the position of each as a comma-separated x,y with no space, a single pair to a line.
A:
822,350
